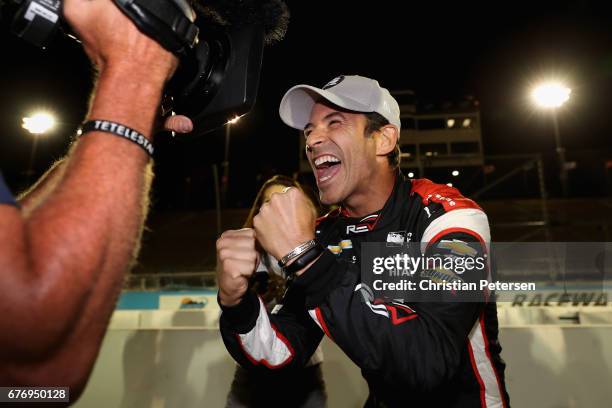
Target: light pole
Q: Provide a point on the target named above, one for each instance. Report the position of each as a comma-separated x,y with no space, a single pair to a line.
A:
37,124
551,96
225,164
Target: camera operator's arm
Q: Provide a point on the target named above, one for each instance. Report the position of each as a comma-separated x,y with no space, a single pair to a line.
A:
63,265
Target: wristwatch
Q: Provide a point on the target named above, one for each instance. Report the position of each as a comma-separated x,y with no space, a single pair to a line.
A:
306,257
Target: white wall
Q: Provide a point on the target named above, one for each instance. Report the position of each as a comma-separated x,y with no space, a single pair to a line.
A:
180,361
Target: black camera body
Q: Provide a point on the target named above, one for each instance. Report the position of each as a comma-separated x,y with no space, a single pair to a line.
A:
220,64
220,82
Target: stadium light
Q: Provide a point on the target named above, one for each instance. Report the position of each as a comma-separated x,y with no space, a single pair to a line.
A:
226,162
39,123
551,96
234,120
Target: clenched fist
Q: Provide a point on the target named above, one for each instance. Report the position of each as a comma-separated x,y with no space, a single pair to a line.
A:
237,259
285,222
112,41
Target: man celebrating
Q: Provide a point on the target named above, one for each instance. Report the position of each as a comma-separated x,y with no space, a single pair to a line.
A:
412,353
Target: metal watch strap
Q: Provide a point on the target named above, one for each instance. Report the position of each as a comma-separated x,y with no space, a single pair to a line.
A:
303,260
297,251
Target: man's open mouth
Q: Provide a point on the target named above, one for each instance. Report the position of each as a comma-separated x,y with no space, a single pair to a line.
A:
327,166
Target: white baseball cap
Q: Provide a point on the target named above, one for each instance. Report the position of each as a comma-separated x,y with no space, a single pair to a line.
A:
351,92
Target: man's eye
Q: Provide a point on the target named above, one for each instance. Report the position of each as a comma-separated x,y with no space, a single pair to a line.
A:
306,133
335,122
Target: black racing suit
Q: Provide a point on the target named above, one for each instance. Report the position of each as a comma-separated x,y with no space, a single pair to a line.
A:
414,354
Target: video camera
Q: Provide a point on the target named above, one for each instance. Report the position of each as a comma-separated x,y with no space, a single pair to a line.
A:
220,45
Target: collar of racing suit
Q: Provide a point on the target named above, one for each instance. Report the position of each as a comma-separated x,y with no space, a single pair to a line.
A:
382,218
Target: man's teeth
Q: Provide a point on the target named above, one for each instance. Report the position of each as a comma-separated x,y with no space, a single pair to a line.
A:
326,159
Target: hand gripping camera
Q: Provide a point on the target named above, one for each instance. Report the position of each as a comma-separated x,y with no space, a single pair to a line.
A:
219,42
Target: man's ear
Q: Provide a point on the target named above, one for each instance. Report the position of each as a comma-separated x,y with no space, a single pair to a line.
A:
388,137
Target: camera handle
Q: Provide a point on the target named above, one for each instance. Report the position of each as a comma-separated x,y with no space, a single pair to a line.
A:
169,22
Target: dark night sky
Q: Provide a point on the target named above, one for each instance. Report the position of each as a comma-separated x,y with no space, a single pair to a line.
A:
441,50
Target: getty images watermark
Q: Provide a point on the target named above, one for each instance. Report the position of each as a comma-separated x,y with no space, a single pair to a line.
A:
460,271
439,273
